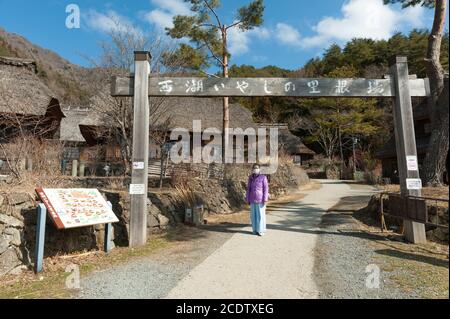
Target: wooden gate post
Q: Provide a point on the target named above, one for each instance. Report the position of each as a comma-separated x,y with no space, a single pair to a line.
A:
406,142
139,181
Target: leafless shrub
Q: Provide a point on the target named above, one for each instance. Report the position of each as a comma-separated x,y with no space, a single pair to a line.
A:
43,157
117,59
284,157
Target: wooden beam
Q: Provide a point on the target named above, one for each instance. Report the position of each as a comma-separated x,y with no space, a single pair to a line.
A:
139,179
242,87
405,139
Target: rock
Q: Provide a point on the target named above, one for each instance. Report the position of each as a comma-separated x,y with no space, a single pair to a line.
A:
153,210
152,221
18,270
18,198
17,213
15,236
10,221
163,220
166,204
2,199
4,244
8,261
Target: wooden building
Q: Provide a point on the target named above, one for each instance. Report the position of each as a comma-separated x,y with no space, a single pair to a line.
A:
27,105
292,145
28,110
423,129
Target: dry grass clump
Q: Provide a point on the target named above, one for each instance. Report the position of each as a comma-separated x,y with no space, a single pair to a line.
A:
186,194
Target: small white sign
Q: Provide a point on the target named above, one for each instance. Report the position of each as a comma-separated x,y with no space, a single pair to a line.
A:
413,183
412,163
137,189
138,165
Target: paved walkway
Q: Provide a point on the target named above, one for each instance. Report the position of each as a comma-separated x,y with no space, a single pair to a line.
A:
278,265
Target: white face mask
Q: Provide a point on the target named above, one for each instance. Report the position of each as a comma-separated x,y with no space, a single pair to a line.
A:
256,171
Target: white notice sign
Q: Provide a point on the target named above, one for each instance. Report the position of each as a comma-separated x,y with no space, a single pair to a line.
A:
137,189
138,165
412,163
413,183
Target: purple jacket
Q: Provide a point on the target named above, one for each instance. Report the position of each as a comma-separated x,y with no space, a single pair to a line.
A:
257,189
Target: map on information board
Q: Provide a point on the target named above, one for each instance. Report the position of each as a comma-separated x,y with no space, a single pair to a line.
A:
72,208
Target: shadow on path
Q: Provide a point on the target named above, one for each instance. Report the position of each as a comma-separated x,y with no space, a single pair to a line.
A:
415,257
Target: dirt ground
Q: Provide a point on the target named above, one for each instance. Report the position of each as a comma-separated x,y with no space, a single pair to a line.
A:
434,192
408,271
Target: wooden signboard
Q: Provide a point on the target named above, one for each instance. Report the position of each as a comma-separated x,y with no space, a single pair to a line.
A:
413,209
241,87
399,86
73,208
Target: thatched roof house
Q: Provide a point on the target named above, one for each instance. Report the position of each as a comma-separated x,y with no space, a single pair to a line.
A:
22,93
181,112
289,142
77,124
21,90
172,113
423,131
293,144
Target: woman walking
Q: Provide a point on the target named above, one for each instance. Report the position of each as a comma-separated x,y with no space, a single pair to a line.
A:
257,197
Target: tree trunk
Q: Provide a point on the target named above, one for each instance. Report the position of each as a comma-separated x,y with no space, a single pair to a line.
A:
341,150
226,109
434,165
354,155
436,158
162,170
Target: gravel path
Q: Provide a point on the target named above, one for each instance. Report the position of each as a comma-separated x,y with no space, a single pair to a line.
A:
227,261
154,276
278,265
343,253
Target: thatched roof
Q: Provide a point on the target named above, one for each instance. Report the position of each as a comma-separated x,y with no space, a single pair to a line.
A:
288,141
70,125
293,144
182,111
75,119
21,90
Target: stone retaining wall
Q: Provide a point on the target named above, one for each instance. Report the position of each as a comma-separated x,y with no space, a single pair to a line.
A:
18,216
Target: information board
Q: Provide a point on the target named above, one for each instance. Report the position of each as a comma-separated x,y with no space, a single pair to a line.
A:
73,208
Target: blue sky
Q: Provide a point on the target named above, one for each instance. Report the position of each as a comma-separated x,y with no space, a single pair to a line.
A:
293,32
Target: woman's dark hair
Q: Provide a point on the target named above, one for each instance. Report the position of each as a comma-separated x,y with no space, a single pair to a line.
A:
256,166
